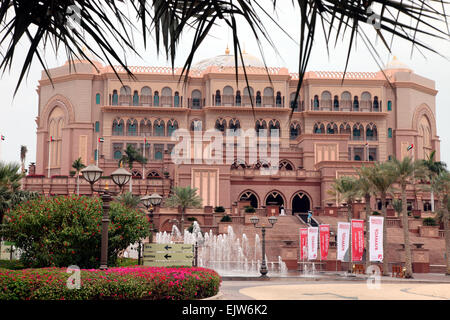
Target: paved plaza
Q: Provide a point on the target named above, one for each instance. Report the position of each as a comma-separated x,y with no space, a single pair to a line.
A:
422,287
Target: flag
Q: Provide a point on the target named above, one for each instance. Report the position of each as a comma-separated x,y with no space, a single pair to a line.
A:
357,240
376,238
52,139
3,137
324,230
303,242
312,242
410,147
343,239
101,140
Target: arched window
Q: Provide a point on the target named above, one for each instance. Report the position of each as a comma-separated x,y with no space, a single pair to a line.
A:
251,197
196,99
294,131
97,98
345,129
117,127
218,98
234,125
325,100
332,128
135,98
319,128
238,98
336,103
389,132
131,127
357,158
153,175
159,129
228,96
274,128
294,103
117,155
286,165
258,99
196,125
268,97
248,96
366,101
259,126
176,99
355,104
346,100
156,99
316,102
371,132
278,99
376,104
389,105
115,98
166,97
125,96
358,132
238,164
145,128
146,96
172,125
221,125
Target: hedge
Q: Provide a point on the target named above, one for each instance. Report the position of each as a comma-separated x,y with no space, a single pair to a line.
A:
128,283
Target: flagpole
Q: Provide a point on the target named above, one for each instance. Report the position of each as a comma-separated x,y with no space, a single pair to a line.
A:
49,156
96,160
143,156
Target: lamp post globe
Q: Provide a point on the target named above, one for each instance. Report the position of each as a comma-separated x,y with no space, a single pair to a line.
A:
92,173
146,201
254,220
121,177
273,220
155,199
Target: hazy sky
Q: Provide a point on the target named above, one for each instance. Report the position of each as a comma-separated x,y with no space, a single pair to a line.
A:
17,114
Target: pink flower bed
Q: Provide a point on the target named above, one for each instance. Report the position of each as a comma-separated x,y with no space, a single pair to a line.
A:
138,282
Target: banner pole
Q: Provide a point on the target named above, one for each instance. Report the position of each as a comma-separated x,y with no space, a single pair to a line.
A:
96,160
49,157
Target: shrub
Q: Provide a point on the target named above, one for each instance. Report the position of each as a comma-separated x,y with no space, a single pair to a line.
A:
375,213
225,218
219,209
429,222
249,209
192,219
115,283
63,231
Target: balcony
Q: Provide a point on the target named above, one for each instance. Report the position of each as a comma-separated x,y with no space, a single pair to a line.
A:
145,100
246,101
345,105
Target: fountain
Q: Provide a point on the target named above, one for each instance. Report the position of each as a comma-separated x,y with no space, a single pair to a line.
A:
225,253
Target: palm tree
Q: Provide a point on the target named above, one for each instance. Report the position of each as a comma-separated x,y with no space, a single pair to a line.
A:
23,154
345,189
405,171
366,190
9,184
78,165
381,180
110,26
129,200
184,198
434,169
132,155
441,184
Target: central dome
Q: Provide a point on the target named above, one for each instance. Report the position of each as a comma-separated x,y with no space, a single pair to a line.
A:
227,60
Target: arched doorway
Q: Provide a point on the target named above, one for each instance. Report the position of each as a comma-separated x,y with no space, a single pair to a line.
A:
249,196
274,198
300,203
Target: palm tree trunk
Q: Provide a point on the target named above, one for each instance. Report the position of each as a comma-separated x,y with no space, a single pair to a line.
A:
366,236
447,233
408,262
383,212
432,200
78,183
349,218
131,184
182,221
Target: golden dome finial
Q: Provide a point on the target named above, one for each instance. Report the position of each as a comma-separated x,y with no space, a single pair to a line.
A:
227,51
395,58
106,186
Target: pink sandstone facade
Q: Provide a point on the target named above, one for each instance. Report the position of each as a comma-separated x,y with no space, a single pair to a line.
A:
337,125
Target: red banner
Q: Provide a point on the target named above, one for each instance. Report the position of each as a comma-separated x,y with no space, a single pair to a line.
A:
324,230
357,240
303,243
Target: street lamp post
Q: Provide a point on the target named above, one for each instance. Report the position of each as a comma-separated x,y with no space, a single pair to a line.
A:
150,202
120,177
272,220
